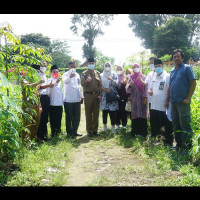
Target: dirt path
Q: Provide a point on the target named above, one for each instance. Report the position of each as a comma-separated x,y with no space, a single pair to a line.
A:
103,163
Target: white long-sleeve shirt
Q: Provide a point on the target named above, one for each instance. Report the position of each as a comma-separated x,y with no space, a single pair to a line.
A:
46,90
55,93
72,87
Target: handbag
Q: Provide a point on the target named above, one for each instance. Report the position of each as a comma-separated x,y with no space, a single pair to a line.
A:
112,96
128,106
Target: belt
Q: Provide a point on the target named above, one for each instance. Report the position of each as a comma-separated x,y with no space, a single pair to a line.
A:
91,92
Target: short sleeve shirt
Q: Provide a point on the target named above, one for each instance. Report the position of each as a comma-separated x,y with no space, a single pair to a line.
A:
159,86
180,82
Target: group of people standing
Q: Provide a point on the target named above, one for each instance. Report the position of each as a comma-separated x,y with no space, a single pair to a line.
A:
162,96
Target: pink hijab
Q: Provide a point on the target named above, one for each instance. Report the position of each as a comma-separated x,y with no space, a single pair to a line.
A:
135,75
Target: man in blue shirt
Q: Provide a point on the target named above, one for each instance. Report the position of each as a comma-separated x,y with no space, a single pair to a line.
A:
182,85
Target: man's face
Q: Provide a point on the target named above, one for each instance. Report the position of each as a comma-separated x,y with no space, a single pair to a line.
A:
44,64
72,66
159,65
54,71
91,63
151,61
177,58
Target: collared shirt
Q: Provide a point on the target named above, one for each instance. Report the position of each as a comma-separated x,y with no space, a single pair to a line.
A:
95,85
55,93
72,87
159,85
149,78
46,90
180,82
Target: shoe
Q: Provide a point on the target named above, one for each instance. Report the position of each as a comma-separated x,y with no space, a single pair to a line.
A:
113,129
78,134
123,127
71,136
176,148
95,133
117,127
89,134
105,127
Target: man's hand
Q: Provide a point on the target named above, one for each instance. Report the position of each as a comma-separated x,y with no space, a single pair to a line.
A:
58,79
89,79
150,92
51,85
72,75
100,98
186,101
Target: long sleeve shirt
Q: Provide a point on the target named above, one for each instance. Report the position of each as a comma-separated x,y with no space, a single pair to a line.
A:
55,93
72,87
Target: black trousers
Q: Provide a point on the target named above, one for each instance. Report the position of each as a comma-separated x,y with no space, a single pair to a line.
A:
139,126
112,115
55,119
121,114
72,117
42,129
158,120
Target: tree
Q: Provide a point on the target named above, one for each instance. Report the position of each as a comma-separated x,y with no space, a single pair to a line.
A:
15,58
102,59
90,26
173,35
58,50
37,40
60,53
145,26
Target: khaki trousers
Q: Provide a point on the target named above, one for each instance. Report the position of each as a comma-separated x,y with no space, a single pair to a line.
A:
91,112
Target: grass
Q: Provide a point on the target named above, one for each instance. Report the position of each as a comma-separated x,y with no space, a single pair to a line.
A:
42,165
47,164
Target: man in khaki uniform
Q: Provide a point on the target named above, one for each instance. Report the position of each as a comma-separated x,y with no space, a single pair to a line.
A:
92,88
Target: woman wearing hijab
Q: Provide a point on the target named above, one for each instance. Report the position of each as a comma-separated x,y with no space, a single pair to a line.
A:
109,82
138,98
121,114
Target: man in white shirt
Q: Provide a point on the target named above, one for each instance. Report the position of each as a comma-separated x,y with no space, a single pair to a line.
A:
158,92
72,99
45,102
56,101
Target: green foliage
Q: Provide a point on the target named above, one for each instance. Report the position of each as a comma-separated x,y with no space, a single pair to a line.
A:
171,36
15,60
195,112
162,32
60,53
91,27
196,71
37,40
58,50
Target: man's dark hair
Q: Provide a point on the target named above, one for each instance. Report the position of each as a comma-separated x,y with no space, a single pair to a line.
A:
152,58
37,67
71,62
54,67
178,50
158,61
91,60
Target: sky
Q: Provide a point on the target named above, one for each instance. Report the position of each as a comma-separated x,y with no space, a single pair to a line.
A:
118,40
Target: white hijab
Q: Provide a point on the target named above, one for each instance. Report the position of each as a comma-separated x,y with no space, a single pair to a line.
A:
105,74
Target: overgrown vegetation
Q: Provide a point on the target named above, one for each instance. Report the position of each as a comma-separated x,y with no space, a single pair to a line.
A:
47,163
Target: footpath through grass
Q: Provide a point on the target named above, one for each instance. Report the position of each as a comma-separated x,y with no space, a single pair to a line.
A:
111,160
